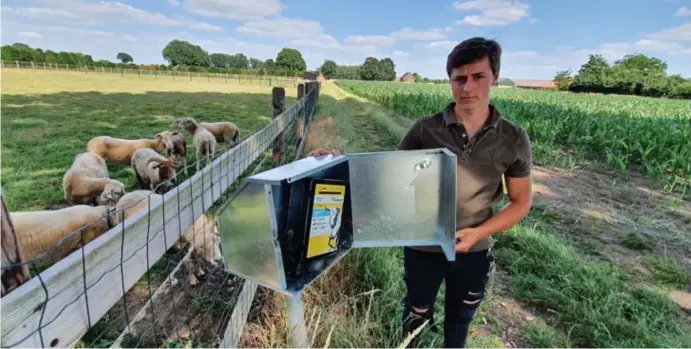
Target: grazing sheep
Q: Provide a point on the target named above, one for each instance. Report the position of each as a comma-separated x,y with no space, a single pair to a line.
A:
120,150
176,148
204,140
87,182
224,131
152,169
133,202
39,232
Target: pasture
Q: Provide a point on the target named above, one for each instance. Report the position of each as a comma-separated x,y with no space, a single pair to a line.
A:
49,116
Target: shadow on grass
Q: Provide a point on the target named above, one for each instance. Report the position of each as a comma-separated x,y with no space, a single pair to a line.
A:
41,134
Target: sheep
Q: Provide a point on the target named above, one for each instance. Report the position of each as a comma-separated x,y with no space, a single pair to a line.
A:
120,150
152,169
224,131
204,140
40,232
207,244
87,182
133,202
176,148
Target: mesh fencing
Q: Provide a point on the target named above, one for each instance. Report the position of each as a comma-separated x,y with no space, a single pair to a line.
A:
155,278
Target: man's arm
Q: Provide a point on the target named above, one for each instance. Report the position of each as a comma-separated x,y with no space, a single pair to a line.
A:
520,192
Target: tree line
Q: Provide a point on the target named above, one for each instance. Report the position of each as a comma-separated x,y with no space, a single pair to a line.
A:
634,74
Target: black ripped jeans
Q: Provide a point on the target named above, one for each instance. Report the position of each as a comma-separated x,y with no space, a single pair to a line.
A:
466,281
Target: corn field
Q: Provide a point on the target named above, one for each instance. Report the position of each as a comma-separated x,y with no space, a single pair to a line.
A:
652,135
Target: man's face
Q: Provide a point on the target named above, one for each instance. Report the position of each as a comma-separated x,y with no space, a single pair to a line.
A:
470,84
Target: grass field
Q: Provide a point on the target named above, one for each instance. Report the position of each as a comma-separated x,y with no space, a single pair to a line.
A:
48,117
598,262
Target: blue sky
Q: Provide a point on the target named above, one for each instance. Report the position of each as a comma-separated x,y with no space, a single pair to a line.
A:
539,37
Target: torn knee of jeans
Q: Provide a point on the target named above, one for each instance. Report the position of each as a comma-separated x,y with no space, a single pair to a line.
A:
420,311
473,298
469,302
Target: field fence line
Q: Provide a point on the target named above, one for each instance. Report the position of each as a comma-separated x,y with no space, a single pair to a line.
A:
250,79
74,298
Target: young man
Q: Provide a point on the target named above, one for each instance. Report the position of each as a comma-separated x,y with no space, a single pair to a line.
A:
488,149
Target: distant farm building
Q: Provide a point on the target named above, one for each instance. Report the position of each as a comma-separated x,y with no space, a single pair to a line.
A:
407,77
313,76
534,84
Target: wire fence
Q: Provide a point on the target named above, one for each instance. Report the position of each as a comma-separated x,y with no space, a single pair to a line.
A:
245,79
149,272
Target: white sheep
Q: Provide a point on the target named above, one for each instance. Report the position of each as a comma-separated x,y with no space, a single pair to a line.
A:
87,182
120,150
40,232
152,169
176,148
204,140
207,245
133,202
223,131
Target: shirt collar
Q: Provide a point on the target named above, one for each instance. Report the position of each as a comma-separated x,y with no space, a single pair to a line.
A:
450,118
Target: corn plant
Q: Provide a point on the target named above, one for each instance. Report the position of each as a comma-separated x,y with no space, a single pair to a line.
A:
652,135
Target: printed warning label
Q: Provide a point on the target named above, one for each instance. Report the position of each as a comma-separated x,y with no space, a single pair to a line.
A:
327,209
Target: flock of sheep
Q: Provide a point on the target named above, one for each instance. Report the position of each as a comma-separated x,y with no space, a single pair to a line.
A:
96,198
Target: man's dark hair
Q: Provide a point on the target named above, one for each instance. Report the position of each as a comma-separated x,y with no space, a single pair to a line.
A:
472,50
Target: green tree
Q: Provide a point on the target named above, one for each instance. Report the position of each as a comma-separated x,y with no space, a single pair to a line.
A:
370,70
220,60
418,78
256,63
562,79
290,60
124,57
328,68
180,52
387,69
239,61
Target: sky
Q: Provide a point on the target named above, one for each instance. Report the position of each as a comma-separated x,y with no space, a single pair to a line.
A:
538,37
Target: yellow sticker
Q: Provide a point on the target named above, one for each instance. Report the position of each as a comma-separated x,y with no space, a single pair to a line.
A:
327,210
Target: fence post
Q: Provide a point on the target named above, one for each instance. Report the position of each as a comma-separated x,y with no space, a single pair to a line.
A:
11,254
301,94
278,96
296,320
17,63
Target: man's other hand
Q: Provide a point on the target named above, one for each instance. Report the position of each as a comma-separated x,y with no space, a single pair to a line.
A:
322,151
467,238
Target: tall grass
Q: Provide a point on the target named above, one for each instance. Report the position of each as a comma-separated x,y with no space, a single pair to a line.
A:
653,135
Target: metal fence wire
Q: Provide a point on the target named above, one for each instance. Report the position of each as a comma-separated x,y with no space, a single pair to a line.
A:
153,277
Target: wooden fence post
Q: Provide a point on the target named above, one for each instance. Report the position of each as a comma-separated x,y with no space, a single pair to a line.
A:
278,101
11,254
301,94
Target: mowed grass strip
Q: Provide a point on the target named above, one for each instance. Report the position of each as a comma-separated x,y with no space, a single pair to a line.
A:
48,117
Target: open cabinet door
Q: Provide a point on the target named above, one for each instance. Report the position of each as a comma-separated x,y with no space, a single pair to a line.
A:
404,198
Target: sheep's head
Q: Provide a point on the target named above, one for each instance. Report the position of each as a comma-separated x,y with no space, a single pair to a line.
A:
184,123
112,193
166,138
164,173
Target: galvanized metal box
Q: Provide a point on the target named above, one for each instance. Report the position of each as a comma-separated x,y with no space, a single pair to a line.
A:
397,198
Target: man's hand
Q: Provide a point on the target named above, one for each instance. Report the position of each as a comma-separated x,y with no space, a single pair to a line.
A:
467,238
322,151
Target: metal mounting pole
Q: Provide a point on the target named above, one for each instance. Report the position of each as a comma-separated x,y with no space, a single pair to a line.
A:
296,320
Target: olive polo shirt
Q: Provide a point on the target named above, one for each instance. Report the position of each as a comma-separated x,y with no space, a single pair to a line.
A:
500,148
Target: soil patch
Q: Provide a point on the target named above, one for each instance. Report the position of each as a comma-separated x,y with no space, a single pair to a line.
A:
186,314
615,219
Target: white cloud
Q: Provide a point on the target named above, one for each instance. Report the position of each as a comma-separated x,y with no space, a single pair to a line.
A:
679,33
448,29
174,3
492,12
444,44
520,54
532,20
30,34
301,32
206,26
74,12
683,11
400,54
235,9
409,33
371,40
